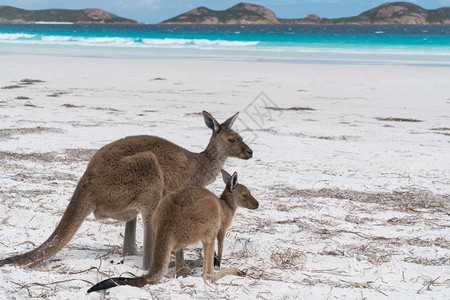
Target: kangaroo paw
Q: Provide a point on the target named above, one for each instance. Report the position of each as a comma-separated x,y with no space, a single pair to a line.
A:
223,273
195,263
183,271
189,266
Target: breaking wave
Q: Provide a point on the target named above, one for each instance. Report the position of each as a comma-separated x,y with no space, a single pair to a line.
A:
121,41
15,36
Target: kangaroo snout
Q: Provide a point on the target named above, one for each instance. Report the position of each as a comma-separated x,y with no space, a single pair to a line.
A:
251,202
247,153
255,204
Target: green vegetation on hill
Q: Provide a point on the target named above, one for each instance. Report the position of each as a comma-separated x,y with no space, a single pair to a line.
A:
437,15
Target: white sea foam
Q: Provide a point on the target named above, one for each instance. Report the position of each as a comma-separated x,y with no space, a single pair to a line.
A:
123,42
105,41
198,42
55,38
15,36
166,41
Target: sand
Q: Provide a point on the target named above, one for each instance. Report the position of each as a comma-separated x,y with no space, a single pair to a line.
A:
351,169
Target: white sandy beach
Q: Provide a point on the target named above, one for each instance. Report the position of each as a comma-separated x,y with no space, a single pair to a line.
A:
351,168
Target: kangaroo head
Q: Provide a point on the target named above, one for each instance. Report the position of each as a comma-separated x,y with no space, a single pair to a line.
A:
238,193
225,139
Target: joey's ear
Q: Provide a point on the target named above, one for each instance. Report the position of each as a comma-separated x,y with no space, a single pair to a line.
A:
228,123
211,122
233,182
225,176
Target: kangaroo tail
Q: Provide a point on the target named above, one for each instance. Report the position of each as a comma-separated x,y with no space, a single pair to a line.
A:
116,281
72,219
160,264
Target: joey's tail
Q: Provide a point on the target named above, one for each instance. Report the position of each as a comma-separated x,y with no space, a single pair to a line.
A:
160,263
72,219
116,281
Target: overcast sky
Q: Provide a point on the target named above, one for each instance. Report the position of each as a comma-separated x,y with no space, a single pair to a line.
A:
153,11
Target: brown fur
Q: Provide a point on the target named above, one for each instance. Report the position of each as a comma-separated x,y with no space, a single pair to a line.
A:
130,176
187,216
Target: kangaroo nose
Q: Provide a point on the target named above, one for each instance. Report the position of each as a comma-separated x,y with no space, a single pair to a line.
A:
249,153
256,204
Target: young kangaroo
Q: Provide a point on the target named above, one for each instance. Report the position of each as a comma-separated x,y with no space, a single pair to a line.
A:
130,176
187,216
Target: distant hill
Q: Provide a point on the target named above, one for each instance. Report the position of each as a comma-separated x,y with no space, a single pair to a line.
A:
9,14
400,13
242,13
388,13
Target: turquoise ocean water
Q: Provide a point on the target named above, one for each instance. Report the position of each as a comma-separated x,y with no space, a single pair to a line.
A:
390,44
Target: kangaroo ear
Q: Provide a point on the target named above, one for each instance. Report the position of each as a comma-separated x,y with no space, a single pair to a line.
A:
233,182
225,176
211,122
228,123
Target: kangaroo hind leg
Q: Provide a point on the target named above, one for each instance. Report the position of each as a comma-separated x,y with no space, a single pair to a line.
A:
145,182
208,265
151,200
129,240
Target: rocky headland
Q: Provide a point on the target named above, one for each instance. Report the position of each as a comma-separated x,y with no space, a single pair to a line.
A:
9,14
245,13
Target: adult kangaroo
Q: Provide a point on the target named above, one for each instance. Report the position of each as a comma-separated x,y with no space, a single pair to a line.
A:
187,216
130,176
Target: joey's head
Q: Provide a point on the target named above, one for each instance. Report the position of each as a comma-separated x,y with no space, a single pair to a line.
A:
225,139
238,193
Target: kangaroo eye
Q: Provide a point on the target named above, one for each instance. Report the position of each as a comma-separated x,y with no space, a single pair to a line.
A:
245,195
231,140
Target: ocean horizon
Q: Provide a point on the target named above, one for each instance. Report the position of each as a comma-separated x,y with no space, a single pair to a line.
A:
343,44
